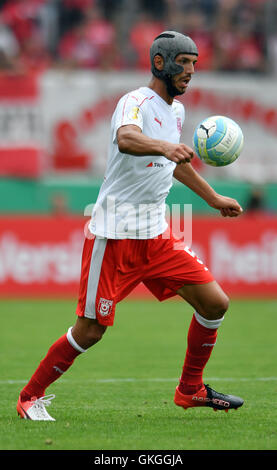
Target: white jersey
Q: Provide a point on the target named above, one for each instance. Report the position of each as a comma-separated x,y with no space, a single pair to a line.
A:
131,200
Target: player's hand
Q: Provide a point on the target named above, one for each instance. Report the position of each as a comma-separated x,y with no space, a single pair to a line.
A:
178,153
227,206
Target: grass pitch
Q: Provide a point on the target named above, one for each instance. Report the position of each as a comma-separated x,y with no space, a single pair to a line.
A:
119,394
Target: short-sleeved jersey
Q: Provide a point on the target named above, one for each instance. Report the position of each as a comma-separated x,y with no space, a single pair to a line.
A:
131,200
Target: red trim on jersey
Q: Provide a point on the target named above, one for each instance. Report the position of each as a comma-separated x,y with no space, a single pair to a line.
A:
123,110
146,98
140,104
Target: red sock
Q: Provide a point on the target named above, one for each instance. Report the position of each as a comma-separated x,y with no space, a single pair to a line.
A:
58,359
201,341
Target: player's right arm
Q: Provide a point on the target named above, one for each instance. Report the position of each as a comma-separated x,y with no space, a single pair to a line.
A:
132,141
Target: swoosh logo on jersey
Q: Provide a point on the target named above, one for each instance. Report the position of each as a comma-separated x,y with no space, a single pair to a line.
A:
158,121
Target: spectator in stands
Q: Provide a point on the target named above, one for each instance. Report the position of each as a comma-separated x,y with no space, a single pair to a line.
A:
9,47
59,205
207,7
91,43
155,8
22,17
102,34
25,20
34,56
225,44
75,50
111,8
142,35
256,201
250,54
199,29
236,47
71,13
270,21
230,33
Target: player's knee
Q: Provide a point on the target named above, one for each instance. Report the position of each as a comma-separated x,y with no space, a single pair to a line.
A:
87,332
217,307
221,306
94,334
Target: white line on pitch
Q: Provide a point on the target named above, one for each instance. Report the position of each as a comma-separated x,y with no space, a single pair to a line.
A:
158,379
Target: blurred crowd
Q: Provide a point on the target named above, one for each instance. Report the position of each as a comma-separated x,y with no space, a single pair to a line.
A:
232,35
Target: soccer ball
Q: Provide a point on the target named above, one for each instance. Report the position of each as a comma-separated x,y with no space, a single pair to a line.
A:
218,140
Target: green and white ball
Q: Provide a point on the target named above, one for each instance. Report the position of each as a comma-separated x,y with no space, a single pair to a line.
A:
218,140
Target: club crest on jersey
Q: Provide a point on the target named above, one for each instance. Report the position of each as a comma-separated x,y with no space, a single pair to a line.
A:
105,306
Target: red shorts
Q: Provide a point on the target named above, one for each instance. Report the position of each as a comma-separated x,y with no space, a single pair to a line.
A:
111,269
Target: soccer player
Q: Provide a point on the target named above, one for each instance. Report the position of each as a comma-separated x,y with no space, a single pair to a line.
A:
129,241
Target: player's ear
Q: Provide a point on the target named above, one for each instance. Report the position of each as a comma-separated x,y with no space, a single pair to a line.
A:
159,62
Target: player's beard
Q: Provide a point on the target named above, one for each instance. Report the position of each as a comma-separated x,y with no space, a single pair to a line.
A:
171,89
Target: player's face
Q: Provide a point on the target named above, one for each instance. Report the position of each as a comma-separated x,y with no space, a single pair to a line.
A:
181,80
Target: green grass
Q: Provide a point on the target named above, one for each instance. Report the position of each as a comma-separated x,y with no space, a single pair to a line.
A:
119,394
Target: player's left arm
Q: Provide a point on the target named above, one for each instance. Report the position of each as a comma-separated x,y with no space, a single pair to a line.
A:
185,173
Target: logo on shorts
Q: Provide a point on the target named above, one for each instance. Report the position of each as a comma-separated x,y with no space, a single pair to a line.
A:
105,306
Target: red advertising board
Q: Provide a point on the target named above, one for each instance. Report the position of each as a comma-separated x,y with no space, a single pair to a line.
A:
241,253
41,256
22,151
